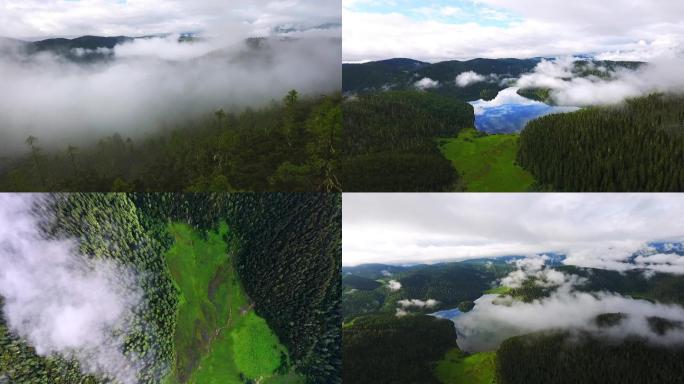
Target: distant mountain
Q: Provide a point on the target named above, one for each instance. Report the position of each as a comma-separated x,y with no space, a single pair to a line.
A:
403,73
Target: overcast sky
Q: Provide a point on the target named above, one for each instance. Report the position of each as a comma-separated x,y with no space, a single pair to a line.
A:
434,30
413,228
33,19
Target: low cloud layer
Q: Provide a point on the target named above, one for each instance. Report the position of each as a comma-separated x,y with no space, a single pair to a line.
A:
58,301
426,83
495,319
465,79
155,83
394,285
660,75
426,228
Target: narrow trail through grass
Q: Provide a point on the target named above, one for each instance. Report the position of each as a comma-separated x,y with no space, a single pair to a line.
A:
219,338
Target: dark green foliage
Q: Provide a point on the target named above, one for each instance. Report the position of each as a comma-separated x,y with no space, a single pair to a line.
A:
356,303
638,146
358,282
388,349
401,74
449,284
107,226
530,290
466,306
292,146
609,319
560,358
389,141
288,258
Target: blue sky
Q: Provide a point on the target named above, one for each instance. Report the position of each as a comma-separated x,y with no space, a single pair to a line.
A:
446,11
436,30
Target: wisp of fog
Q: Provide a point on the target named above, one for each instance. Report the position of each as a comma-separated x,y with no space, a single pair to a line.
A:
152,83
495,319
567,88
60,302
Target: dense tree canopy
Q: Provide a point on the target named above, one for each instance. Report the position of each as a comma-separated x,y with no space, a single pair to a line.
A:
289,146
638,146
389,141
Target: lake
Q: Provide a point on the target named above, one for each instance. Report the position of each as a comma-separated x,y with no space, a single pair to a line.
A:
509,112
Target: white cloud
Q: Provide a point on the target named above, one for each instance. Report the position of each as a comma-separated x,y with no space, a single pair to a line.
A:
426,83
493,320
417,303
40,18
154,83
418,228
394,285
660,75
62,302
468,78
539,28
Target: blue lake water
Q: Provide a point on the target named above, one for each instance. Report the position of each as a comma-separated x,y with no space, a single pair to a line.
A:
449,314
509,112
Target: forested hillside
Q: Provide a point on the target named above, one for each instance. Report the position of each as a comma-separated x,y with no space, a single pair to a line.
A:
638,146
389,349
402,74
559,358
290,146
283,248
389,141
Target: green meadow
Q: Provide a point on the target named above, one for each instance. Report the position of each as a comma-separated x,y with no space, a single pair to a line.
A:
219,338
486,163
459,368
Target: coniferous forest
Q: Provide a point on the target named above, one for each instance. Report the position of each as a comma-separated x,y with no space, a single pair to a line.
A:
292,145
388,141
267,264
638,146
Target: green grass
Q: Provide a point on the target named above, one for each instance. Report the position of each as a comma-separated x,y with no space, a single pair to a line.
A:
459,368
218,336
487,163
500,290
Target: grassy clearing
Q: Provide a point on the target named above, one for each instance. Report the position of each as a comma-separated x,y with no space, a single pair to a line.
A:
219,338
500,290
486,163
459,368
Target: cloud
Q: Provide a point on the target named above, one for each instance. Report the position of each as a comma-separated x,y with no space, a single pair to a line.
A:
494,320
61,302
567,88
40,18
155,83
501,29
394,285
468,78
426,83
417,303
427,228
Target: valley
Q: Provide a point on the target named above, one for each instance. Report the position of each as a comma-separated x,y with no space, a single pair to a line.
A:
504,98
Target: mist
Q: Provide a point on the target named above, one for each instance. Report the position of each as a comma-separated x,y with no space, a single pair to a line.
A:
495,319
156,83
60,302
659,75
